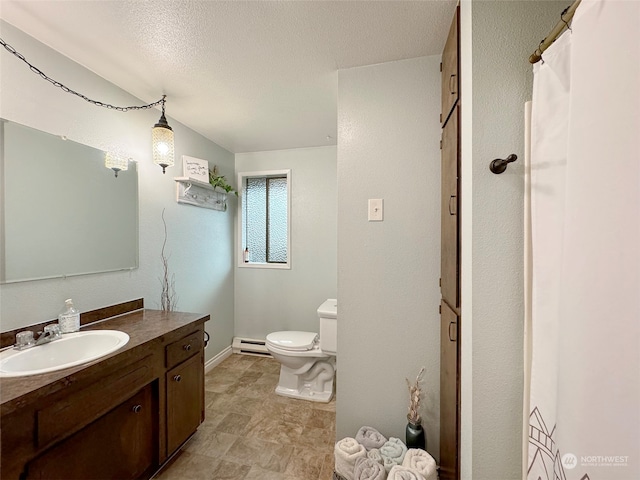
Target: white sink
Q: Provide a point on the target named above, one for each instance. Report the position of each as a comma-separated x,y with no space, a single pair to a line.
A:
70,350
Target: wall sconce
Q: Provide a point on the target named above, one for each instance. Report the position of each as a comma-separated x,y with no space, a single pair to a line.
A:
162,138
117,163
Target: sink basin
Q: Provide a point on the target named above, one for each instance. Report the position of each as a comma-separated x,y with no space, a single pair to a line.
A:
70,350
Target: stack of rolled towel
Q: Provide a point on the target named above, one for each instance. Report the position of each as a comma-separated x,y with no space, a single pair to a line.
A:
370,456
420,461
368,469
347,451
370,438
393,452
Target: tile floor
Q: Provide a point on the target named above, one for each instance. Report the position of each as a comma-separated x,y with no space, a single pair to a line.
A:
251,433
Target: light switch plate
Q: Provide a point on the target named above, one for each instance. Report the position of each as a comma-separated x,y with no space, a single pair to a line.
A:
375,210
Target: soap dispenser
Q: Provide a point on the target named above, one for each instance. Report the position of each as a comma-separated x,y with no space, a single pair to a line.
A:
69,318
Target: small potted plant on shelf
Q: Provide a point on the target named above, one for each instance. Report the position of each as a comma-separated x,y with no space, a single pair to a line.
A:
217,180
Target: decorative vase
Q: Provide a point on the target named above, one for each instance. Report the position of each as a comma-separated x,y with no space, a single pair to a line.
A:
415,437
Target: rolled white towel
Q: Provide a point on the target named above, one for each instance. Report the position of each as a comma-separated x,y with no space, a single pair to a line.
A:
420,461
368,469
370,438
403,473
347,451
374,454
393,452
388,463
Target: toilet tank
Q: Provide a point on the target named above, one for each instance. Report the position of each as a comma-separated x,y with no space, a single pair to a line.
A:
328,314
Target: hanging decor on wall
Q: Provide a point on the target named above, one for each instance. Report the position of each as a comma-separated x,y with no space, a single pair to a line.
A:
162,133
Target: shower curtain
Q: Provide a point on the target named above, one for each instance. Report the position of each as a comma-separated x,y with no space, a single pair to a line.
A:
582,411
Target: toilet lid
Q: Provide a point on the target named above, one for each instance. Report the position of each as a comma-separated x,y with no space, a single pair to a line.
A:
293,340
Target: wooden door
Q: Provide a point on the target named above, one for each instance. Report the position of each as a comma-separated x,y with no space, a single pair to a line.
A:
185,405
119,445
450,70
449,392
450,202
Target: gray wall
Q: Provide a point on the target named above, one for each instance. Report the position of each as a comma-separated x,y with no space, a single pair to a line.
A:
199,240
388,322
268,300
503,35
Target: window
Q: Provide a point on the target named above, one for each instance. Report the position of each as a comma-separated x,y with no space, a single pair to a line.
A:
264,226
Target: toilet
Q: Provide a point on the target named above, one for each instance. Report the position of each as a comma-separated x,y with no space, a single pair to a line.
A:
308,359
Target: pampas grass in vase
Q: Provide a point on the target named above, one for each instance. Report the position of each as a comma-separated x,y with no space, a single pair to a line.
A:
415,437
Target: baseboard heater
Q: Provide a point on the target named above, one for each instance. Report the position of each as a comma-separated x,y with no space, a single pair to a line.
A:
250,346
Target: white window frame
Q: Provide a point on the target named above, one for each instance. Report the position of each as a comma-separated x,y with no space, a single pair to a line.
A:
240,237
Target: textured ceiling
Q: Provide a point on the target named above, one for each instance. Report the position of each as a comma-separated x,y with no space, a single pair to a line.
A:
250,76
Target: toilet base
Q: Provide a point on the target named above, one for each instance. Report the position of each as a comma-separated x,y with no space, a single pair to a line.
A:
306,394
312,382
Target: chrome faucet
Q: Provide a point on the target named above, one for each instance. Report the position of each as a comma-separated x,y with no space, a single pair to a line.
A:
26,340
51,333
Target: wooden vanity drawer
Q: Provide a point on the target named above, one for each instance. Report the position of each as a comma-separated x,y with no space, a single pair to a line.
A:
75,411
184,348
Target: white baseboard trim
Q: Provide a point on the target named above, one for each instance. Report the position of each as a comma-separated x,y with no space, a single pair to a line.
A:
217,360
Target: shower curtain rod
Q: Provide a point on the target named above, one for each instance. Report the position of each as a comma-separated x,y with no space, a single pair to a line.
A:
565,18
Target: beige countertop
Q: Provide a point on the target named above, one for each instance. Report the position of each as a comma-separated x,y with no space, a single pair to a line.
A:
142,326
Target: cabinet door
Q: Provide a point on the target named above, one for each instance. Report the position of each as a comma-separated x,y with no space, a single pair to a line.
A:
119,445
449,388
185,401
450,74
450,202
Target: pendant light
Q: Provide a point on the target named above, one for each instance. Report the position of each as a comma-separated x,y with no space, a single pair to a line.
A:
117,163
161,134
162,138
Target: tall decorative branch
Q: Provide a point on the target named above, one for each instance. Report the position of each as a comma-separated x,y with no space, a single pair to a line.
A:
168,297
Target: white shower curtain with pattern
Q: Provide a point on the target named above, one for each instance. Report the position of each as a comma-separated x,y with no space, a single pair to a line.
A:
583,327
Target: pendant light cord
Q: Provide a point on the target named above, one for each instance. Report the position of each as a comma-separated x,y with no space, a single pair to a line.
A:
55,83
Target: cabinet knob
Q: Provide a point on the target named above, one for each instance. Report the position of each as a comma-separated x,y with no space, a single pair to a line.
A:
177,378
454,337
187,347
136,408
452,203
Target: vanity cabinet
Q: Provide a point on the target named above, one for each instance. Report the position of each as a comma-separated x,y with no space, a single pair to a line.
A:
185,390
118,418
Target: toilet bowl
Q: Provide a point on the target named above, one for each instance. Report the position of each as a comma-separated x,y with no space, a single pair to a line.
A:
307,369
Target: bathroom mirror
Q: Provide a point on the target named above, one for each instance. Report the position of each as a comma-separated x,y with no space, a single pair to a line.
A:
63,212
